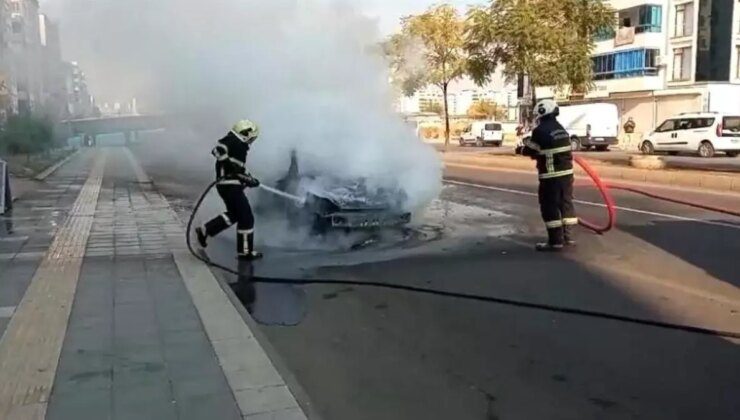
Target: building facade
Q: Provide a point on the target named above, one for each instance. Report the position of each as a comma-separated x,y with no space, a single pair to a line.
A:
461,96
666,57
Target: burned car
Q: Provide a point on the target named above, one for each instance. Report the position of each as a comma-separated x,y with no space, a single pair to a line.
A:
336,203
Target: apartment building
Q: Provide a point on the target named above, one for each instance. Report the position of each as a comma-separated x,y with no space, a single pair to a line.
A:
666,57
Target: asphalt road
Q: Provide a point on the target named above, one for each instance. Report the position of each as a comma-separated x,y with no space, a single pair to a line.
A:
364,353
720,162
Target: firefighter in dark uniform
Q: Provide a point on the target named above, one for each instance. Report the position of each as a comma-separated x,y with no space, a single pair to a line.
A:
550,147
232,177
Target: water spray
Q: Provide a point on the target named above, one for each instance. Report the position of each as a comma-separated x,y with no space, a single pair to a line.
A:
299,201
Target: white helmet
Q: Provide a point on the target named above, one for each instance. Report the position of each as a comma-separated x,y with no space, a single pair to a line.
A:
246,130
546,107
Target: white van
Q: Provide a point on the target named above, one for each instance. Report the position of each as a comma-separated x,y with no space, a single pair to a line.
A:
481,133
591,125
701,133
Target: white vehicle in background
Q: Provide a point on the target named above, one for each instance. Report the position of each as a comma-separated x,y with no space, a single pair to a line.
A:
591,125
482,133
701,133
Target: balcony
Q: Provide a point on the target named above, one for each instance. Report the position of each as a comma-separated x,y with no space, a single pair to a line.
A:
626,64
633,21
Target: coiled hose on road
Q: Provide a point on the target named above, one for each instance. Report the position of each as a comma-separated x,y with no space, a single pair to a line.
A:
467,296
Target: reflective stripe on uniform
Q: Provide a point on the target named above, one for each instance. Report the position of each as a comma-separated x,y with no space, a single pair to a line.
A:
220,152
556,174
226,219
237,162
229,182
550,152
550,163
245,241
532,145
570,221
554,224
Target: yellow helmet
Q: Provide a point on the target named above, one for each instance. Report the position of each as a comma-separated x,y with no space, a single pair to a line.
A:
246,130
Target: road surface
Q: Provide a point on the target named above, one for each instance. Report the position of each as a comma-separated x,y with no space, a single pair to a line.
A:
364,353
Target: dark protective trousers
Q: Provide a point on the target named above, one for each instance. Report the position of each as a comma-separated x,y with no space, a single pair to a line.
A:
556,206
238,211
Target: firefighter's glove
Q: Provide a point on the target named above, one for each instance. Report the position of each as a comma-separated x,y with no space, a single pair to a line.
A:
249,181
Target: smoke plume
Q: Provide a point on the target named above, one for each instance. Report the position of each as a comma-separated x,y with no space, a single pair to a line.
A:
307,71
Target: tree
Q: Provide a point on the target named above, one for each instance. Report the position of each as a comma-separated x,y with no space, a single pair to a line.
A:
434,107
486,110
429,50
26,135
550,42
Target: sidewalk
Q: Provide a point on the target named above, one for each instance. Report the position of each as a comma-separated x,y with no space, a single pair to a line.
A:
115,319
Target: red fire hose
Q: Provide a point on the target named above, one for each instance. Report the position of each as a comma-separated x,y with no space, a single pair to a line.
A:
608,200
611,208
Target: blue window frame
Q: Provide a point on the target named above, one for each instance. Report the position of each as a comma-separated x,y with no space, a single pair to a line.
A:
624,64
651,19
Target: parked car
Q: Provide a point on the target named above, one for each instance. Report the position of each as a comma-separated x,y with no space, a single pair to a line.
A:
700,133
591,125
482,133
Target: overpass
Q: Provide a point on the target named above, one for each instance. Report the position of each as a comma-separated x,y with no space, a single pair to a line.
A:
128,125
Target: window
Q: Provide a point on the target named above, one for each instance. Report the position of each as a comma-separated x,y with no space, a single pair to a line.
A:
682,64
683,23
731,125
650,19
15,7
17,27
668,125
623,64
493,127
737,71
693,123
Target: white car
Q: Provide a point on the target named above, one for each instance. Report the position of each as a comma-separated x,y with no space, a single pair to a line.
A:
702,133
482,133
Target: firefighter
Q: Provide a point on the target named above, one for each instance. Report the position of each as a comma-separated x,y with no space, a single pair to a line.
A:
232,177
550,147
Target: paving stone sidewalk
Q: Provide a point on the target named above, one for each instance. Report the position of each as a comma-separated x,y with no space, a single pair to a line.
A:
150,335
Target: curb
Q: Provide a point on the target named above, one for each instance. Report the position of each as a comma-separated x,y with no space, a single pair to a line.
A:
53,168
728,182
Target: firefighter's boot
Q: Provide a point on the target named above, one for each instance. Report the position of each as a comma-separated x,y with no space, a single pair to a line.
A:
554,241
202,237
245,246
568,236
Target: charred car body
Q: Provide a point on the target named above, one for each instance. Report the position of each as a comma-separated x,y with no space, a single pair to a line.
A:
336,203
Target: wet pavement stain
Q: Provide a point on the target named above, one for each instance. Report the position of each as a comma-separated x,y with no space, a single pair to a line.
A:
602,403
559,378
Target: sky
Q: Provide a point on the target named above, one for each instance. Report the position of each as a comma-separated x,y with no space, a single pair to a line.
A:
389,12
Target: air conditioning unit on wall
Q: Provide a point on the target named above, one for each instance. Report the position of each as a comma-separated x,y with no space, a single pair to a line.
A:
661,61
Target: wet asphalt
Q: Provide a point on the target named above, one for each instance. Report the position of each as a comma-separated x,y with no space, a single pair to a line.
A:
364,353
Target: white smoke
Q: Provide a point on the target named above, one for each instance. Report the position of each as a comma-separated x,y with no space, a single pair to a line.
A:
307,71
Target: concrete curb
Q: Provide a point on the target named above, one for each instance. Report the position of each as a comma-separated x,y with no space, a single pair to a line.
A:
53,168
721,181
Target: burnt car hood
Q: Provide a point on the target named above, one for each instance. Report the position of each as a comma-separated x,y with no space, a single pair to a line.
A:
353,194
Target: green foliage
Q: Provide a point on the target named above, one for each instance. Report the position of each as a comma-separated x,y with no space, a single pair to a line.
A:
549,41
430,49
486,110
26,135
